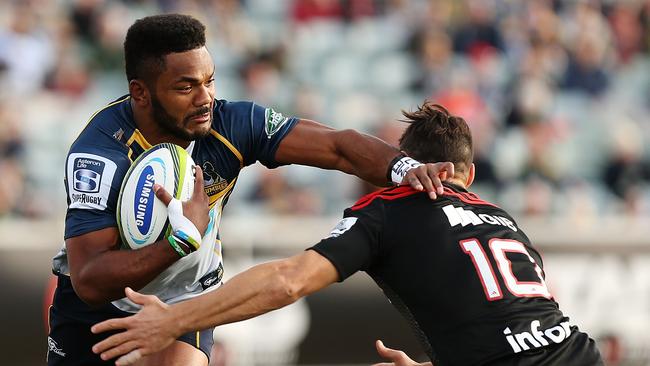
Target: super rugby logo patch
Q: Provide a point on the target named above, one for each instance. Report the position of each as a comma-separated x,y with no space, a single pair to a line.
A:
87,175
343,226
273,121
89,180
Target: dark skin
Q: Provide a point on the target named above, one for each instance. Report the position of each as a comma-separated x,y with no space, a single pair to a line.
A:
185,91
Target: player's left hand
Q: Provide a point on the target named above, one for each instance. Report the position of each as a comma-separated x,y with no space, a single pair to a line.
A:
398,358
429,177
148,331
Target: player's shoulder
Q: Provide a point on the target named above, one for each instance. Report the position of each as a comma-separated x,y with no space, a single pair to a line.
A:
396,195
461,195
108,126
230,117
226,108
102,144
384,196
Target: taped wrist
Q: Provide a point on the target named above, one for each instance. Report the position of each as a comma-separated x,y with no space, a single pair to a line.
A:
399,166
185,237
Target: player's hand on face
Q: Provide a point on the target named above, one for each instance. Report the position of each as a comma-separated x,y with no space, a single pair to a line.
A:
397,357
147,332
197,208
429,177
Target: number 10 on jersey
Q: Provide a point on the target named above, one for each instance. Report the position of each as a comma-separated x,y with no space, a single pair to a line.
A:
498,249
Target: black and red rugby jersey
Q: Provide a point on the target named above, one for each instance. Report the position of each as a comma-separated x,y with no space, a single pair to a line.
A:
458,268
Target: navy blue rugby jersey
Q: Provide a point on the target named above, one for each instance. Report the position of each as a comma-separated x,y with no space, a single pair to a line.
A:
459,269
242,133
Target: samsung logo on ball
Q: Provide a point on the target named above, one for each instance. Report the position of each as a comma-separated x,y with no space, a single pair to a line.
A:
143,204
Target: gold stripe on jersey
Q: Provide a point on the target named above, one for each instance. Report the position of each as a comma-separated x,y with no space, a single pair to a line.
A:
139,140
230,146
198,340
215,198
101,109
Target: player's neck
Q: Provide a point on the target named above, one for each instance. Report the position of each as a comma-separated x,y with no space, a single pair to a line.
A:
458,182
152,131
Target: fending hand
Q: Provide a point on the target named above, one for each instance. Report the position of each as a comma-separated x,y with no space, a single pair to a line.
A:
397,357
429,177
148,331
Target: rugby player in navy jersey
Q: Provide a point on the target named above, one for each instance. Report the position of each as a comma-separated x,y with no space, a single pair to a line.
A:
172,99
459,269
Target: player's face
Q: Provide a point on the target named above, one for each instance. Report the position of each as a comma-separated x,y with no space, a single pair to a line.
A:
183,97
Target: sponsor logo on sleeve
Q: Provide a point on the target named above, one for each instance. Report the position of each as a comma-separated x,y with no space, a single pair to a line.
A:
89,180
343,226
273,121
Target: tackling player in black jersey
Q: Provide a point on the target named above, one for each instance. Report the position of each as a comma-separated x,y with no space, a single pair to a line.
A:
460,270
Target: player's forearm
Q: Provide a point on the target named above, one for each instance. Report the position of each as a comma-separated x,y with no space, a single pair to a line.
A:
365,156
261,289
103,278
311,143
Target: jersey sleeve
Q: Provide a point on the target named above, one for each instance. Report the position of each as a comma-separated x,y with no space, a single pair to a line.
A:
354,242
93,178
256,131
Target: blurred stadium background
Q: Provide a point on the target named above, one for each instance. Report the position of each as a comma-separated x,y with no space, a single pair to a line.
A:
557,94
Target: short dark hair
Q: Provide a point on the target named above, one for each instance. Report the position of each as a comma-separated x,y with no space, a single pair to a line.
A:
435,135
150,39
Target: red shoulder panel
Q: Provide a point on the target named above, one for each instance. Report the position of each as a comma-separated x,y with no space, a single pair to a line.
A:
467,197
385,194
404,191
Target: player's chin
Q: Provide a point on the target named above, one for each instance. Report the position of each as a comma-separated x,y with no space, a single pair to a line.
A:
199,130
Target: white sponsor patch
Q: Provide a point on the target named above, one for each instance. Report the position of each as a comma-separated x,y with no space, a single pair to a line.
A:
343,226
89,180
273,121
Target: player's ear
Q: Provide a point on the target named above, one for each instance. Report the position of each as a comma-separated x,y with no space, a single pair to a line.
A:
470,175
139,92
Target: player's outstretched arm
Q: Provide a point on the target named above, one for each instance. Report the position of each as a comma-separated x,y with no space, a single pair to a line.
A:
397,357
99,270
367,157
260,289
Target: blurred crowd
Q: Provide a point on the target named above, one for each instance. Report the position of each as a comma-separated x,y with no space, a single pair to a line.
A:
557,93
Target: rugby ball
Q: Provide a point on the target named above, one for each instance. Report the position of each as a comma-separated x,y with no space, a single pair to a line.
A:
141,216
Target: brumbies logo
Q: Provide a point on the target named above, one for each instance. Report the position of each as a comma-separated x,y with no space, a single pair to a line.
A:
213,182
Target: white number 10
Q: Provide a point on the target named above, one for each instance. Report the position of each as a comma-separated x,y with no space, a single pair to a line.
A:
499,248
